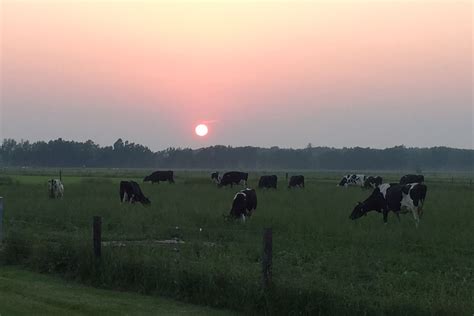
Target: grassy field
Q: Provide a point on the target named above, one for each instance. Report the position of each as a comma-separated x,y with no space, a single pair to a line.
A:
27,293
322,261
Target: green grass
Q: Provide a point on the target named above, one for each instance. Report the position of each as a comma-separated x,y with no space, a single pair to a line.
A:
323,262
27,293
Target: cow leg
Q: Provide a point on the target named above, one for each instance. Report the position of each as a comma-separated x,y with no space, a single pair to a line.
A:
125,197
385,216
398,216
243,218
414,211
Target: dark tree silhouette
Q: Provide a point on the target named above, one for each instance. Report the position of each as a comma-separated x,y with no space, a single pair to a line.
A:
63,153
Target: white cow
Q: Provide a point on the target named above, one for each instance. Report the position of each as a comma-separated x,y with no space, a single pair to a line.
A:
352,180
56,189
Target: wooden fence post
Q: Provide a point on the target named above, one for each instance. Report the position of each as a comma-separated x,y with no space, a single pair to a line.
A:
97,235
61,175
267,258
1,219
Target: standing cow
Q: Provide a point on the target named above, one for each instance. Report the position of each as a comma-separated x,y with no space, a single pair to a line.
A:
393,197
372,182
234,177
244,203
352,180
268,182
55,189
412,178
296,181
130,192
158,176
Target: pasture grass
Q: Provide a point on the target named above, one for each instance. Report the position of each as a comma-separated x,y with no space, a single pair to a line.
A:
322,261
26,293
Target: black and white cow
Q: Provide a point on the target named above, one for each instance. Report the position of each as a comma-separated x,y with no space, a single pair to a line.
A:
396,198
158,176
130,192
268,182
244,203
372,182
215,177
55,189
296,181
352,180
412,178
234,177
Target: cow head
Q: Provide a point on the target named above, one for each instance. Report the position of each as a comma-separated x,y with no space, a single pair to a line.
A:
147,178
146,201
343,182
358,211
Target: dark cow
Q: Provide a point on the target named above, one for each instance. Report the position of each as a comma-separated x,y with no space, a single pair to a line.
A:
296,181
412,178
372,182
234,177
158,176
268,182
244,203
393,197
215,177
352,180
130,192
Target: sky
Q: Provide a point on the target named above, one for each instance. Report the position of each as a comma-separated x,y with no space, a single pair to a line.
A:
261,73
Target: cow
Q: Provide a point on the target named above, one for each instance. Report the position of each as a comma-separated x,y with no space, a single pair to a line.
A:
215,177
233,177
372,182
56,189
158,176
394,197
352,180
268,182
130,192
296,181
244,203
412,178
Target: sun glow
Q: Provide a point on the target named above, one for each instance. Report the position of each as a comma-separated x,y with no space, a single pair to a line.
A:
201,130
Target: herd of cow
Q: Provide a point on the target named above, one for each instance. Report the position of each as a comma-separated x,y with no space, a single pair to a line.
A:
407,195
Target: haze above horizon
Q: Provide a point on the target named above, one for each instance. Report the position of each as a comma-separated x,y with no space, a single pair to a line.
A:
258,73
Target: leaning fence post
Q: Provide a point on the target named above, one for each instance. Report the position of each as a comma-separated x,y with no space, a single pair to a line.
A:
267,258
97,235
1,219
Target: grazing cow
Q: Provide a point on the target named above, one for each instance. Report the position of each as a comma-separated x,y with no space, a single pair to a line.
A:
393,197
56,189
352,180
233,177
268,182
130,192
158,176
215,177
244,203
372,182
296,181
412,178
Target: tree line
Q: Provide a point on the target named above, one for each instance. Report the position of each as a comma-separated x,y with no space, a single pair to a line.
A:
125,154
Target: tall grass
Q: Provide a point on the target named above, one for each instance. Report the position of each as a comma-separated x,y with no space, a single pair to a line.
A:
323,262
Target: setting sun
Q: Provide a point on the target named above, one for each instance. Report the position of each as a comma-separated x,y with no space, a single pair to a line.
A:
201,130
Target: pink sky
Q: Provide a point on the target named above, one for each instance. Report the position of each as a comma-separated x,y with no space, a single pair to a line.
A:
344,73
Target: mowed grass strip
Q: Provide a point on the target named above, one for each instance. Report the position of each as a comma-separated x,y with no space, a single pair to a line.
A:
27,293
363,265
